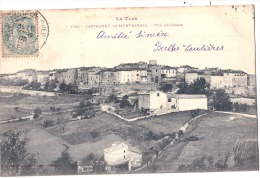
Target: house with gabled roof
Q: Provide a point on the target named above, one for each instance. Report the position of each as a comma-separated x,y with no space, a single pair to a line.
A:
152,100
119,153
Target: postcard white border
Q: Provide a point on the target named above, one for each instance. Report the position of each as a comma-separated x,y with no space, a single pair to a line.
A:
71,4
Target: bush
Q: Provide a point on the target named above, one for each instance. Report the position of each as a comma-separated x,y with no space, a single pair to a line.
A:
154,168
17,109
245,152
144,111
124,102
166,87
85,109
204,163
194,113
173,135
153,136
64,165
180,132
48,123
33,86
94,135
37,111
53,108
244,108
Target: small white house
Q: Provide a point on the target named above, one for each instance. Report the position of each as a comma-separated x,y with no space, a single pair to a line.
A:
116,154
152,100
185,102
119,153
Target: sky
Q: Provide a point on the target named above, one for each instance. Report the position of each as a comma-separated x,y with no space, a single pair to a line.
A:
84,38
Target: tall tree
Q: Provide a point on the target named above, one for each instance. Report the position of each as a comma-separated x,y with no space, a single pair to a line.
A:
166,87
63,87
183,86
221,101
15,159
124,102
199,86
65,164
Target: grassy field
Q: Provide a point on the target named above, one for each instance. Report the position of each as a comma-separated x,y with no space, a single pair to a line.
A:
8,104
48,147
133,132
218,134
26,104
167,123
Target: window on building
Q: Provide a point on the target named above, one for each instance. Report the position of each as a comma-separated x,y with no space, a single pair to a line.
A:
158,94
169,100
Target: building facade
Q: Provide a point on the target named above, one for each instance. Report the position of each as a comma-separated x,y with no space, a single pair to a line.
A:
116,154
168,73
152,100
186,102
190,77
42,77
251,80
155,74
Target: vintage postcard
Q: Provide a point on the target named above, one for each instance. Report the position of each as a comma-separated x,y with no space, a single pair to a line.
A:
128,90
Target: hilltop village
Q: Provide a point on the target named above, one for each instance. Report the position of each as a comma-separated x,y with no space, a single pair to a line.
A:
131,73
131,79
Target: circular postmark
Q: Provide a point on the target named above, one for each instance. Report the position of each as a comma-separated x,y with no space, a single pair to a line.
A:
24,33
43,31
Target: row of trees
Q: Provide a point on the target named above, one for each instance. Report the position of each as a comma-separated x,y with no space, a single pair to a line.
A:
199,86
85,109
123,103
69,88
48,86
51,86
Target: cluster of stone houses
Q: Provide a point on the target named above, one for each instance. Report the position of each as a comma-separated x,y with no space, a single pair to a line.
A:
218,78
140,72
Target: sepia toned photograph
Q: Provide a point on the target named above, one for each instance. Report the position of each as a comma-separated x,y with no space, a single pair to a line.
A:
128,91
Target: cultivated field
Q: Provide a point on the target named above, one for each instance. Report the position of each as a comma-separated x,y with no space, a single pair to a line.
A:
217,132
76,135
217,135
